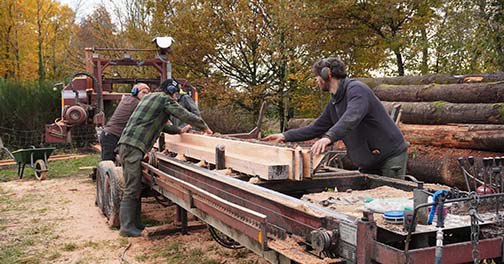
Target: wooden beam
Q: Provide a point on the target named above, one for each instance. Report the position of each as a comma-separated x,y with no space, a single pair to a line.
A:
267,161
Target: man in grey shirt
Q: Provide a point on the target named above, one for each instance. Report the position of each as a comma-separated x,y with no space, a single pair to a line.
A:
173,90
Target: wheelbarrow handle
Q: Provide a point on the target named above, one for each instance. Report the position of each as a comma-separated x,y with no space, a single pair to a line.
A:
5,149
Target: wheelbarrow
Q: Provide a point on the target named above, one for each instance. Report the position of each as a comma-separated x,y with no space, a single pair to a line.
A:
36,158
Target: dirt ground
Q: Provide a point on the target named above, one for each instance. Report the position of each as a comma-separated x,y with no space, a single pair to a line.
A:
56,221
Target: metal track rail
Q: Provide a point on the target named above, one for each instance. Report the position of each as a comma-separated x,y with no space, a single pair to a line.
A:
285,214
235,217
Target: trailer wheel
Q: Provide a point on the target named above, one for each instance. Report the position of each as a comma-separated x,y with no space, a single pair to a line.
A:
40,169
101,171
113,186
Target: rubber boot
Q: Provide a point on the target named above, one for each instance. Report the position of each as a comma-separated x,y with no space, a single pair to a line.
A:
138,219
127,214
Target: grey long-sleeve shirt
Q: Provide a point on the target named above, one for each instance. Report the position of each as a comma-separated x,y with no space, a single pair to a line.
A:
356,116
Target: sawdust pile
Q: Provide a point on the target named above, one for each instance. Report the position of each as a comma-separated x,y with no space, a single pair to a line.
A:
352,203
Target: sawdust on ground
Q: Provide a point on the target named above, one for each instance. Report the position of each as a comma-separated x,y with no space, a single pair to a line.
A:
73,230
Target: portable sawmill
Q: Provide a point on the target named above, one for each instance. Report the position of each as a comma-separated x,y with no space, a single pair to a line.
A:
290,206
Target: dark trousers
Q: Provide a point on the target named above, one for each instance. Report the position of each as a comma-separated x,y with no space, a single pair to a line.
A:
394,167
108,144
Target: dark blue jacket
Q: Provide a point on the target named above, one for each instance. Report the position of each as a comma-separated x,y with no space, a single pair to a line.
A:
356,116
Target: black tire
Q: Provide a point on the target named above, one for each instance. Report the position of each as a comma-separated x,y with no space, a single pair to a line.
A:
113,185
101,172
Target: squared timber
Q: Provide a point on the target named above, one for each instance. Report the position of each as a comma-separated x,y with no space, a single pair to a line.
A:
266,161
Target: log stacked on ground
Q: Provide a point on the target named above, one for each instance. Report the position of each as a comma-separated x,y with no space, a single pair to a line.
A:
435,78
441,113
440,165
454,93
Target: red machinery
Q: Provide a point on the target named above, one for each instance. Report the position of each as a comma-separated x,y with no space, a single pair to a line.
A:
89,96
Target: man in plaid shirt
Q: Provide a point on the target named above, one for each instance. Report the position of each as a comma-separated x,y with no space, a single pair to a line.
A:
145,124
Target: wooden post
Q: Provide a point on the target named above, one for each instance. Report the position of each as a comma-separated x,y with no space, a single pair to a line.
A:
182,218
220,158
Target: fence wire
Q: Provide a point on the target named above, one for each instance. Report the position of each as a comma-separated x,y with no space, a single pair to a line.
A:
14,139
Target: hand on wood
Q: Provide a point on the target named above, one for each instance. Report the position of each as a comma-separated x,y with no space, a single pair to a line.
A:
185,129
208,131
320,146
277,138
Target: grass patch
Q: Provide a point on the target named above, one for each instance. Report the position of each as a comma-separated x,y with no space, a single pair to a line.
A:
54,255
91,244
56,169
10,254
141,258
123,242
176,253
22,244
69,246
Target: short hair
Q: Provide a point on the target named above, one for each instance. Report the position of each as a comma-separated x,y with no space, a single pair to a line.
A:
142,86
338,68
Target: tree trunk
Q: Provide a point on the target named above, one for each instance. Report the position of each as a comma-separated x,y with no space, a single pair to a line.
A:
299,122
440,165
424,68
455,93
39,42
400,63
482,137
434,78
440,113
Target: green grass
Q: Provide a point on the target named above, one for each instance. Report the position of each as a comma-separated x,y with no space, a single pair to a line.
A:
141,258
177,253
69,246
56,169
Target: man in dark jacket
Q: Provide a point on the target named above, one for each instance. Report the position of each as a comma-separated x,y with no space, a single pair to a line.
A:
115,126
355,115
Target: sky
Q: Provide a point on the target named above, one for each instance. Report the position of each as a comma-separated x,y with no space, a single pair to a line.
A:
86,6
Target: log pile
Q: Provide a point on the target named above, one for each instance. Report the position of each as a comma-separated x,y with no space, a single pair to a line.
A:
444,117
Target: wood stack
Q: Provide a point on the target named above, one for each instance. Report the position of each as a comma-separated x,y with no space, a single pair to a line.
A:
445,117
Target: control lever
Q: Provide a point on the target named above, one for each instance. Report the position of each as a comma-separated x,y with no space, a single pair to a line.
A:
470,159
461,164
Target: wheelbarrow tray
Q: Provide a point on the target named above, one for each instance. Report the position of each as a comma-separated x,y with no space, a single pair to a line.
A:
25,155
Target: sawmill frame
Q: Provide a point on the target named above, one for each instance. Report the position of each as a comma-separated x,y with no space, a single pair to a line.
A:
284,229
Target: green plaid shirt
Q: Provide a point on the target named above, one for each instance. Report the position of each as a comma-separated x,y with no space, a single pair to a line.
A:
150,117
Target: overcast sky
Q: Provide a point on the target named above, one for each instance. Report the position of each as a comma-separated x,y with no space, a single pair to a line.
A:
86,6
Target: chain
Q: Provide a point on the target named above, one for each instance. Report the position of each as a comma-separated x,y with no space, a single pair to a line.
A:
475,228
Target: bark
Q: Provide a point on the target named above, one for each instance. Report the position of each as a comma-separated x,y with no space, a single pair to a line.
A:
299,122
399,62
434,78
440,113
481,137
492,92
440,165
437,113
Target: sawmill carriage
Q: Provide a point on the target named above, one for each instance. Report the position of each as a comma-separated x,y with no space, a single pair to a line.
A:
274,200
